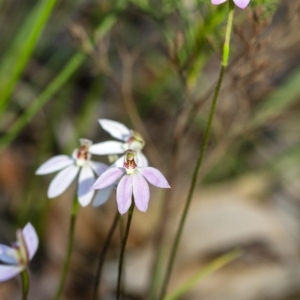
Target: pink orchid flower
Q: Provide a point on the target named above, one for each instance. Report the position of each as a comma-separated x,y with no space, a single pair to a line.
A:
133,182
240,3
17,257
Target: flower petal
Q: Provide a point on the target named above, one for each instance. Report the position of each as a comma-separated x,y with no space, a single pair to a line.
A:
141,191
85,181
107,178
31,239
102,196
54,164
154,176
124,193
115,129
216,2
8,255
142,159
98,167
241,3
62,181
8,272
105,148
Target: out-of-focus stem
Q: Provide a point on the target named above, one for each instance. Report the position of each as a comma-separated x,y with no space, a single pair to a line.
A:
103,254
63,277
25,284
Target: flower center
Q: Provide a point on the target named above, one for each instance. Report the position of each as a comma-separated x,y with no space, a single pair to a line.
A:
82,153
130,161
135,141
22,252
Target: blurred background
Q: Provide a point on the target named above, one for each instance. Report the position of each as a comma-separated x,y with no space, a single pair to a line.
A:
153,65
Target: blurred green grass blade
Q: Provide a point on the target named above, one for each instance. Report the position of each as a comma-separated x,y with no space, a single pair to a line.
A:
212,267
18,54
278,101
54,86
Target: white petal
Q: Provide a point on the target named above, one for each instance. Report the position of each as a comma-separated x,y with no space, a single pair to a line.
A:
85,182
115,129
154,176
142,159
105,148
62,181
98,167
31,239
124,193
54,164
8,255
141,191
108,178
102,196
8,272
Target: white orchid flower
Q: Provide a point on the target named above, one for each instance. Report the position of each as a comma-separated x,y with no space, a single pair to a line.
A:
17,257
129,140
70,166
133,182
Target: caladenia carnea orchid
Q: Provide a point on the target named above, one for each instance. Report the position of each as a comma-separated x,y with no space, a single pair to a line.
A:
129,140
133,182
240,3
17,257
69,168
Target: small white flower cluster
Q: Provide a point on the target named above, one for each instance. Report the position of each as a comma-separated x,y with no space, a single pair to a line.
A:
80,165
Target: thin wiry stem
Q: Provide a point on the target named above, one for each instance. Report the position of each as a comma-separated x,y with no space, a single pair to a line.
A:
63,277
225,58
122,252
103,254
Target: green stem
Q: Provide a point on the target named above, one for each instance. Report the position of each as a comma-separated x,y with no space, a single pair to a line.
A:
25,284
124,241
202,151
103,254
74,212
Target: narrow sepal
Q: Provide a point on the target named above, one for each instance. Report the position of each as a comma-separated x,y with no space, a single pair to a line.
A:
124,194
85,181
154,176
141,191
62,181
54,164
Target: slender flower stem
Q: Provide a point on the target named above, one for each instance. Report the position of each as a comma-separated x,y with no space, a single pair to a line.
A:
225,58
103,254
124,241
63,277
25,283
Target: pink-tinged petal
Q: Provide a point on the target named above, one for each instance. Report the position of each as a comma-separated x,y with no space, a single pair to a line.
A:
8,255
107,178
115,129
105,148
31,239
216,2
8,272
98,167
241,3
54,164
142,160
141,191
124,194
85,181
102,196
154,176
62,181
